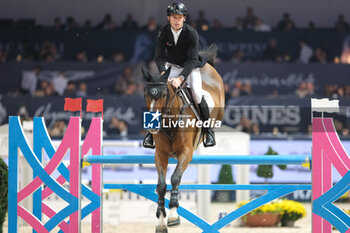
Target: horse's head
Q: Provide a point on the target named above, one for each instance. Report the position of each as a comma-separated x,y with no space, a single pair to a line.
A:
156,92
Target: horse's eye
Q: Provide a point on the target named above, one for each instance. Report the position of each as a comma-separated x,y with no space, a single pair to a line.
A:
164,95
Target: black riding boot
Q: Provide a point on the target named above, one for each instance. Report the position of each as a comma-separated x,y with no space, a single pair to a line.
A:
209,133
148,141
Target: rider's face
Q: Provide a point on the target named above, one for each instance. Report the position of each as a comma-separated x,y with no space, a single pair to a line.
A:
176,21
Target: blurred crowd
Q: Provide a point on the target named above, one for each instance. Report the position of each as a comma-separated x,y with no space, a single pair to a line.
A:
130,82
249,21
52,52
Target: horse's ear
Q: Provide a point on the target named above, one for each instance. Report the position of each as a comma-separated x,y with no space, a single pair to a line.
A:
166,74
146,75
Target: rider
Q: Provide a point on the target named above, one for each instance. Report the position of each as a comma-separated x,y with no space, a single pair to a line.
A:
177,46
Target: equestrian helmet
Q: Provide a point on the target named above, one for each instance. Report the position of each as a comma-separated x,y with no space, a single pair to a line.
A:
177,8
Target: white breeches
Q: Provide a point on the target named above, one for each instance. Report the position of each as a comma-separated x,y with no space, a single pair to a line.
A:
194,80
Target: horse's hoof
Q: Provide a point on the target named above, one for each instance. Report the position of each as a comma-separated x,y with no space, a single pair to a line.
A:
174,222
161,229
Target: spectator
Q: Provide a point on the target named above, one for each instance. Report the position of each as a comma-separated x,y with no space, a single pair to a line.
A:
250,19
319,56
23,113
3,55
310,88
82,90
118,57
87,25
107,23
330,89
260,26
129,22
311,27
341,25
286,24
57,24
45,50
339,93
239,24
131,88
246,89
236,91
270,53
347,90
40,92
254,129
60,82
122,82
118,127
305,51
29,80
301,92
216,24
151,25
70,90
46,89
70,24
202,23
82,56
58,129
244,125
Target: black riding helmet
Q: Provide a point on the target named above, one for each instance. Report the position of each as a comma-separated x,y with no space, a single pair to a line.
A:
177,8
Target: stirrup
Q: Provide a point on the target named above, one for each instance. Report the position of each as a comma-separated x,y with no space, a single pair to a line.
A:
209,138
148,141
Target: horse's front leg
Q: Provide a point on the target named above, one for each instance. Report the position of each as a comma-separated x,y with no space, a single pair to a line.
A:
161,164
183,160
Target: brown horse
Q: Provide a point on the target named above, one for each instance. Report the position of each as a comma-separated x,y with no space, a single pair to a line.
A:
177,142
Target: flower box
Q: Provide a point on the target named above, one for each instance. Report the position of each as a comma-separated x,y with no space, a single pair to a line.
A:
262,219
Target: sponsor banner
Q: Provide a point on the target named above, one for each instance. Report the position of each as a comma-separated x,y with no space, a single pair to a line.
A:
272,115
264,78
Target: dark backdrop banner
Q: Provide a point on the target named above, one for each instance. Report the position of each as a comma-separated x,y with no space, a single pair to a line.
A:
139,44
264,77
288,114
51,108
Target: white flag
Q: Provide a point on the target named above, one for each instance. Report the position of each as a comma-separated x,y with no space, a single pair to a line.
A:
324,105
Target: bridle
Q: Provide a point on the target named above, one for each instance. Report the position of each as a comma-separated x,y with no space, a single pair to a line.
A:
167,107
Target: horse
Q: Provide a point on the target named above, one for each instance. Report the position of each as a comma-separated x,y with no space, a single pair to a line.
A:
177,142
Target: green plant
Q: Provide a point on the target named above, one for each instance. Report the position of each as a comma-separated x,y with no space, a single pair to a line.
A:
291,210
225,175
266,171
3,193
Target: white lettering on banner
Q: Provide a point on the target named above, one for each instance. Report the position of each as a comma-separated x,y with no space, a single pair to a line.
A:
289,80
52,116
269,114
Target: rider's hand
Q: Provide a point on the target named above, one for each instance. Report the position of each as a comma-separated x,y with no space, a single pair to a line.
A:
176,82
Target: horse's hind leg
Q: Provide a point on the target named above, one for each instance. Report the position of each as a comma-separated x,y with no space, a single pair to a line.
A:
161,164
174,218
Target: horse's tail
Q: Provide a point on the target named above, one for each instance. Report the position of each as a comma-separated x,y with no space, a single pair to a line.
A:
210,53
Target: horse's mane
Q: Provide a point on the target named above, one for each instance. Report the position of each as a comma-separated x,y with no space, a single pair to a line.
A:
210,53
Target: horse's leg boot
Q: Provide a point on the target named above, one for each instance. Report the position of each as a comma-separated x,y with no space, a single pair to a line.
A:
174,222
161,229
209,133
148,141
